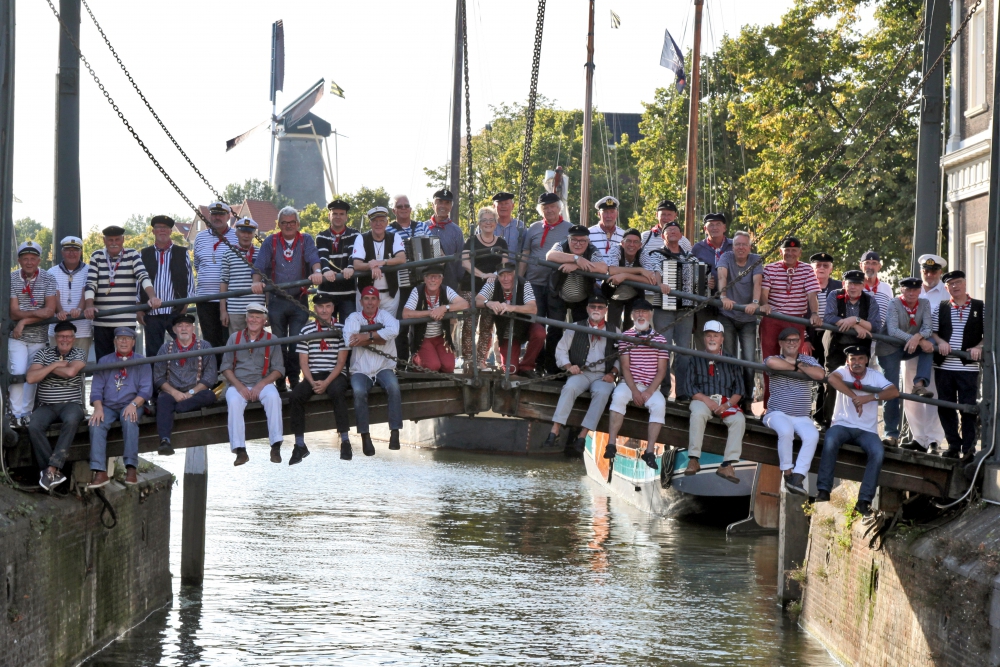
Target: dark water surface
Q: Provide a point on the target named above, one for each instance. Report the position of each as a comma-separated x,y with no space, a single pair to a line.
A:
423,557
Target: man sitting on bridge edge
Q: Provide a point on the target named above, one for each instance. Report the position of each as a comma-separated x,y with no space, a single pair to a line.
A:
855,421
373,360
323,362
592,364
184,384
118,395
251,375
643,371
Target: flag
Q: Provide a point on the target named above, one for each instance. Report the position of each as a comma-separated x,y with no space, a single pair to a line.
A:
277,58
336,90
616,21
672,58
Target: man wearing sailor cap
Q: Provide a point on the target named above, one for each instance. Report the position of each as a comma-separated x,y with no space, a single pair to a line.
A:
169,269
237,274
606,234
374,250
71,278
210,247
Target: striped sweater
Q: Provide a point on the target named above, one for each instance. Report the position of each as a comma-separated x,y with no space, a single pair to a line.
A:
129,277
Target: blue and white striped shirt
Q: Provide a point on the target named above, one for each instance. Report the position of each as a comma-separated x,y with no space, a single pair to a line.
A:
791,396
208,253
163,286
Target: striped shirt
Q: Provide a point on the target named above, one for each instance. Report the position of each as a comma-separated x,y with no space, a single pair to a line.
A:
238,275
433,328
335,255
642,360
652,239
789,288
951,363
320,360
883,295
791,396
823,291
163,286
363,360
70,285
487,292
415,229
646,260
710,377
208,253
31,296
54,389
115,284
602,241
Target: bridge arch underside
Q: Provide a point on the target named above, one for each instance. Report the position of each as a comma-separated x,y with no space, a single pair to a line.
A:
425,399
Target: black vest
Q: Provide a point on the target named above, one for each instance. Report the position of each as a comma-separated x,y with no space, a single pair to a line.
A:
500,321
418,331
580,346
558,277
178,272
391,277
864,308
971,336
608,290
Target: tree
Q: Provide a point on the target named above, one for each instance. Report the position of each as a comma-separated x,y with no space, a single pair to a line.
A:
28,229
254,188
138,234
313,219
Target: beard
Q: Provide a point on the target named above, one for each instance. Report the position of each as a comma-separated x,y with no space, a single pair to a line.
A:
641,325
596,318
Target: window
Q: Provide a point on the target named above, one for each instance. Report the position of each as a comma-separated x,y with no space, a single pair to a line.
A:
977,64
975,261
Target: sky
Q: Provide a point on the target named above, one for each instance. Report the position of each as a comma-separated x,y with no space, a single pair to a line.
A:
204,66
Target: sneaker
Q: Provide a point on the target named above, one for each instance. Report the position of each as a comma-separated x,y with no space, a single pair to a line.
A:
579,445
795,483
24,421
44,479
346,453
367,448
276,453
131,476
727,473
99,479
165,449
923,391
394,439
241,456
650,459
298,453
864,508
610,451
822,496
693,466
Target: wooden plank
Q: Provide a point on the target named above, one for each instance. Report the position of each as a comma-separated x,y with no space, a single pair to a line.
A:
765,503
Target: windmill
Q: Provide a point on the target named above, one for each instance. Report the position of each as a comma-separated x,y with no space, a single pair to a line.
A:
301,136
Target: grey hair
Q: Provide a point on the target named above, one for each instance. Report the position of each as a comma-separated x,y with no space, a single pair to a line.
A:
395,199
538,207
288,210
486,209
744,233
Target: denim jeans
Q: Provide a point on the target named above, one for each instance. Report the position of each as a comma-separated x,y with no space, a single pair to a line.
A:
676,327
866,440
891,413
156,328
99,440
744,333
361,384
287,319
167,406
70,414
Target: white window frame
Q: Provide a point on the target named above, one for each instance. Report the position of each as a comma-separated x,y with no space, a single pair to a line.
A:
976,93
975,249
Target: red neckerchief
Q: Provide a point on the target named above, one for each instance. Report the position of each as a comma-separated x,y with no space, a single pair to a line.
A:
960,309
873,289
180,348
222,237
248,253
113,271
322,341
547,228
711,368
911,312
122,372
438,225
857,380
607,240
601,327
718,251
288,253
27,286
267,350
369,320
161,253
431,305
790,272
657,231
336,238
508,296
288,257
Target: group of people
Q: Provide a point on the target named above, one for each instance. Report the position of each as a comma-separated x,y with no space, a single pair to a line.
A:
605,277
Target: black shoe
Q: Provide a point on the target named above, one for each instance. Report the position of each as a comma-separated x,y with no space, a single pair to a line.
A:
346,453
579,445
913,446
795,483
822,496
682,400
951,454
864,508
366,445
165,449
241,456
650,459
969,456
610,451
280,385
550,441
276,453
394,439
298,453
932,447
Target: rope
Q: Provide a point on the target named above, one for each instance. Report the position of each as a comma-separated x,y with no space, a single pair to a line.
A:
108,508
529,112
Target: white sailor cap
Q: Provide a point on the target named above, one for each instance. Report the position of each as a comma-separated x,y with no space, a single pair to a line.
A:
606,202
71,242
256,308
377,211
29,247
219,207
246,223
932,262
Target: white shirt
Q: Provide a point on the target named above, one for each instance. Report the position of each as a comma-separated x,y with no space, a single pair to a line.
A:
363,360
844,412
935,295
380,253
601,240
70,294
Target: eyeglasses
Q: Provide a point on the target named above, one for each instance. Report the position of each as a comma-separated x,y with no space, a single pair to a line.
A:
402,206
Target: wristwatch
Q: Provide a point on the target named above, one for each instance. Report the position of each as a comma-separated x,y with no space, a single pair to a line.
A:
190,392
371,335
756,302
876,397
134,405
447,308
576,258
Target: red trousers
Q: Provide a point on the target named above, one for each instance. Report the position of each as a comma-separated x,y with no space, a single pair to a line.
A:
434,356
769,330
536,341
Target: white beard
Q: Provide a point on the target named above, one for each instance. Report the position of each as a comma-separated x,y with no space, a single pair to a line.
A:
643,326
596,319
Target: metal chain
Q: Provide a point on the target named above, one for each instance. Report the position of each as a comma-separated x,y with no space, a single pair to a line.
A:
529,113
468,126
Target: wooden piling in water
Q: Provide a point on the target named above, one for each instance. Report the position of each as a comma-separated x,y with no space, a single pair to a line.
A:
195,506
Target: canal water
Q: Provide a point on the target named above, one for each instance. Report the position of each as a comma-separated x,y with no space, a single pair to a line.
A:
423,557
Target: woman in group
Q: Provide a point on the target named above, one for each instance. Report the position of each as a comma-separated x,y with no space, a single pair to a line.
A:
487,264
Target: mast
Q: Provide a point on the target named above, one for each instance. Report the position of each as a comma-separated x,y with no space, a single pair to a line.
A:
66,204
694,94
587,123
456,112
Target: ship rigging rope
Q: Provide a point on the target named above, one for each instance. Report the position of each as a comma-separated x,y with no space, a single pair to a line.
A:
469,184
529,112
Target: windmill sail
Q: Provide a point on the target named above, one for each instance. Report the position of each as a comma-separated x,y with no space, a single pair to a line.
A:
235,141
301,106
277,58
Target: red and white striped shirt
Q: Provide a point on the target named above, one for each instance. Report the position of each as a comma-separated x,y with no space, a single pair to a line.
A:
789,288
641,359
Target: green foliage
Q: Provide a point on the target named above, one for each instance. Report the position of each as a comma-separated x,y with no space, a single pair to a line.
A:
138,233
28,229
254,188
313,219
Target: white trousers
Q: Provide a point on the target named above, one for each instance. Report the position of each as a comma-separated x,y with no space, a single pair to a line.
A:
925,426
22,395
270,399
657,404
787,427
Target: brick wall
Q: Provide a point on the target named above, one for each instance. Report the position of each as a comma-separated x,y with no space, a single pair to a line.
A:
69,585
924,600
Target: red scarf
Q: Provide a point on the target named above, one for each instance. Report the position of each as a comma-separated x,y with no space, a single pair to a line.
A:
438,225
960,309
161,253
546,228
288,253
911,312
181,348
857,380
718,251
322,341
790,272
336,238
248,253
369,320
600,327
267,350
122,372
27,287
874,288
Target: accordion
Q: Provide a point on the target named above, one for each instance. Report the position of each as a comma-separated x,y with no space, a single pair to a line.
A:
418,248
687,275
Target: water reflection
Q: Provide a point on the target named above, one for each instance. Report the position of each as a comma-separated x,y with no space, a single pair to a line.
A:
419,557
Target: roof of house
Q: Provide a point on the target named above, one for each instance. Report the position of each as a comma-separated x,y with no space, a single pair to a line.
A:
263,212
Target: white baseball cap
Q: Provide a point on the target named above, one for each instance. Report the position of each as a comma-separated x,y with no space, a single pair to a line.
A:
714,325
